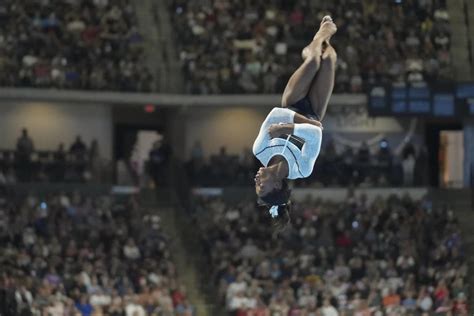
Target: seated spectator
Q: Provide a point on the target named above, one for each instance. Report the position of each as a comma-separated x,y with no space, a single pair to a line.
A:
84,307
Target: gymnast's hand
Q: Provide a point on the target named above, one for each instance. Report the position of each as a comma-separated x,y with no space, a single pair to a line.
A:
300,119
316,123
276,130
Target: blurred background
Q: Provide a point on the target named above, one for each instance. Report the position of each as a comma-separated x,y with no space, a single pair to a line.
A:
126,171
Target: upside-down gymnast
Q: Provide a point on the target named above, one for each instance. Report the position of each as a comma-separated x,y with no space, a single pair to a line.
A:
289,140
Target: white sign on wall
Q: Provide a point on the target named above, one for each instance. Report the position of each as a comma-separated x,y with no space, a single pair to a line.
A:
355,119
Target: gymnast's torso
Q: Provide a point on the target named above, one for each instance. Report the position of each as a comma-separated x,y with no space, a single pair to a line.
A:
300,149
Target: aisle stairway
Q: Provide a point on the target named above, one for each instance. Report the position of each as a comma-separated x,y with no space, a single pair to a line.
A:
171,68
153,48
461,201
185,248
155,25
459,39
470,32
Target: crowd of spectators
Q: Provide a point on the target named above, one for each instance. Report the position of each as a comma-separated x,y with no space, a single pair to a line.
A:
230,46
78,163
79,44
392,256
77,254
363,167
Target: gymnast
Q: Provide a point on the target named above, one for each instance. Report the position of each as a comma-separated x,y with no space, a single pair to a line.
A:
289,140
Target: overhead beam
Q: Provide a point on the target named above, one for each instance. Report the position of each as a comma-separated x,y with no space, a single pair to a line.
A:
159,99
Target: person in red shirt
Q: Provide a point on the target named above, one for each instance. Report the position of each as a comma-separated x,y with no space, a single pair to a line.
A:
178,296
441,291
344,240
260,310
392,299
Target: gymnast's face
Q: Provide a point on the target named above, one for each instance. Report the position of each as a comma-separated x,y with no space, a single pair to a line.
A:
266,181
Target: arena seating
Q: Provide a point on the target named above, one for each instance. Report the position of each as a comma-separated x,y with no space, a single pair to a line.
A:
224,46
76,254
254,46
72,45
392,256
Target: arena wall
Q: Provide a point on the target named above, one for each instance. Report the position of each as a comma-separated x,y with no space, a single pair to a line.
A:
327,194
51,123
237,127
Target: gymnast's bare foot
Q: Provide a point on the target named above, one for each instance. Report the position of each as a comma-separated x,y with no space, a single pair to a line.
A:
327,29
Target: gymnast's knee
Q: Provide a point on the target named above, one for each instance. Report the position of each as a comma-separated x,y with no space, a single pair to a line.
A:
329,55
286,99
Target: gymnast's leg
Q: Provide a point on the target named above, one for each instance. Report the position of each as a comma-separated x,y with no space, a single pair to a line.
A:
302,79
322,86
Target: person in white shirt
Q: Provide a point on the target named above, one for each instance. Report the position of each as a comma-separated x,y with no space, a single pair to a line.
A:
130,250
289,140
240,285
328,310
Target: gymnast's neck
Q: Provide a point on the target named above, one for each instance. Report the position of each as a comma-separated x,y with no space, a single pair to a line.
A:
279,165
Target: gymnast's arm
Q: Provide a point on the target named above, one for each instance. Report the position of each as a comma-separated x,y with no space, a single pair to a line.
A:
280,121
275,117
276,130
299,119
312,135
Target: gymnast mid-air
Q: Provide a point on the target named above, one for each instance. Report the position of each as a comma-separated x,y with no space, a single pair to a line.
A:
289,140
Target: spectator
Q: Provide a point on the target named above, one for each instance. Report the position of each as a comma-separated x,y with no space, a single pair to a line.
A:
78,148
84,307
24,149
24,146
460,305
328,309
130,250
391,299
159,159
134,309
363,155
249,251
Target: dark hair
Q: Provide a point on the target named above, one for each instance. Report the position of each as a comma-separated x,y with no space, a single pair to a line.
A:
283,220
281,198
277,196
